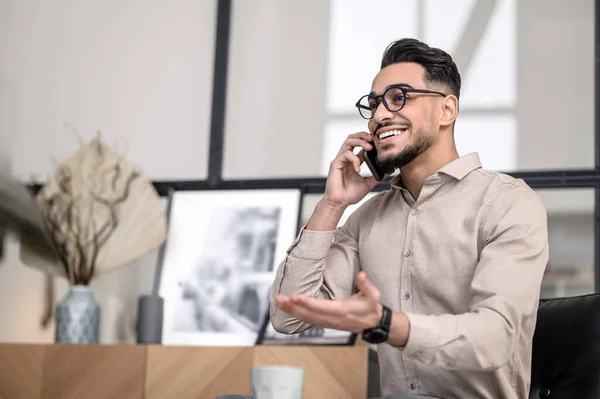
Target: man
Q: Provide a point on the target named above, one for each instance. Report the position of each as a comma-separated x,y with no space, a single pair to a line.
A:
443,270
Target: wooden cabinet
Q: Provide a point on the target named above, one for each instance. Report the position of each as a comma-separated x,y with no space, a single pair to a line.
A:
160,372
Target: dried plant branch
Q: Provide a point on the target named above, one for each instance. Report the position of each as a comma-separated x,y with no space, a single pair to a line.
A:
83,213
48,301
105,232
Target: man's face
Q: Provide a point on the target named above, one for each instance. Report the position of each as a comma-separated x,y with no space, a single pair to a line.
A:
414,126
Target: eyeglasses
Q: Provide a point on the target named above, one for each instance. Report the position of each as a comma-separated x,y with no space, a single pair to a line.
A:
393,98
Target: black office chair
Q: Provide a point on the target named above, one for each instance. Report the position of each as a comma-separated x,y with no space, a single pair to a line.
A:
566,349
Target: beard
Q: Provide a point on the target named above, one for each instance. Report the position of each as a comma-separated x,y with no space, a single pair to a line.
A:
407,155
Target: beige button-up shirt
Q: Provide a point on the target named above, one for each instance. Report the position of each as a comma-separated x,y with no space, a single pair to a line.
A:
464,262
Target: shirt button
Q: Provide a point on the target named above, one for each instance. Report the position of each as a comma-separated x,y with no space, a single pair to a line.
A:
406,296
407,252
415,211
412,386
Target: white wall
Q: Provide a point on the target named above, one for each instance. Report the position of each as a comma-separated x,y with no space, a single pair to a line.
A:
139,71
9,83
276,89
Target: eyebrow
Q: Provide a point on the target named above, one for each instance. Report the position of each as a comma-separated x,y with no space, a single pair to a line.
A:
372,93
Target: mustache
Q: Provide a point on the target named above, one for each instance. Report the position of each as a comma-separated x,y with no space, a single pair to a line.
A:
402,125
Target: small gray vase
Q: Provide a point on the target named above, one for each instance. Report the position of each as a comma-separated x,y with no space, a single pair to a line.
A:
77,317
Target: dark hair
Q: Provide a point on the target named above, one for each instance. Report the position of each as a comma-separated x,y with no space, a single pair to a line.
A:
439,66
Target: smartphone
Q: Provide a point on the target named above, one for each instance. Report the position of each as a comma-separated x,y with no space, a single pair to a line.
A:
371,161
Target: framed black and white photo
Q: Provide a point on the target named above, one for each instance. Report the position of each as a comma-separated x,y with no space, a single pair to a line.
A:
219,262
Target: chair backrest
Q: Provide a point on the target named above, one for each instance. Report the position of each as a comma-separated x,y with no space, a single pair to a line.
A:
566,349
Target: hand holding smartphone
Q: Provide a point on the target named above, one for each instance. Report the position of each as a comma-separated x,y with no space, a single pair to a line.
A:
345,186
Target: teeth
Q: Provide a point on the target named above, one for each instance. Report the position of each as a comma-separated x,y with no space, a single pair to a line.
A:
390,133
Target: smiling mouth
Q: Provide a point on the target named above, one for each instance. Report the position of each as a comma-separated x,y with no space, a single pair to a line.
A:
392,133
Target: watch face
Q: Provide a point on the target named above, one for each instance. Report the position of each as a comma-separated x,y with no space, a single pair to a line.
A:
375,336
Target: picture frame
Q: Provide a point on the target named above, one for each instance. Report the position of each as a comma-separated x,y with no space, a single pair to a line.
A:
219,262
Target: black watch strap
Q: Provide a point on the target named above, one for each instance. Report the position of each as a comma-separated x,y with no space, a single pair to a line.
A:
386,318
379,333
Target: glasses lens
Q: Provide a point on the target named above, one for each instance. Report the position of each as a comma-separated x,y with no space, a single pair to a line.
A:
366,107
394,98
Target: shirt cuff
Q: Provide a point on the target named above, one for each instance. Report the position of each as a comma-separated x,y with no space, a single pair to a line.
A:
423,334
312,244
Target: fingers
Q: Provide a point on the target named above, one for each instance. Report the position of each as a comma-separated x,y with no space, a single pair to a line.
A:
352,314
346,158
352,158
361,156
361,139
362,135
366,287
315,312
312,318
320,306
301,304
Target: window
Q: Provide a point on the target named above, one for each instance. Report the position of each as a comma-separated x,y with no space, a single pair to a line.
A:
516,94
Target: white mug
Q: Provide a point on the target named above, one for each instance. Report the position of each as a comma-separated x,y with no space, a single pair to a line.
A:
277,382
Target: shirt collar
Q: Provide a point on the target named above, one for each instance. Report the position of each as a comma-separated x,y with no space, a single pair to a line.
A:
457,169
462,166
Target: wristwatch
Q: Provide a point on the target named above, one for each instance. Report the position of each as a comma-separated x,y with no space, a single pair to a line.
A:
380,333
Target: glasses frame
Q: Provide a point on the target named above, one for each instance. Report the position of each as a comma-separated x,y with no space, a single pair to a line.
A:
404,90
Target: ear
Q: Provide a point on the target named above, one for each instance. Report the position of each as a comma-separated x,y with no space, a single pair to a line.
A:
449,110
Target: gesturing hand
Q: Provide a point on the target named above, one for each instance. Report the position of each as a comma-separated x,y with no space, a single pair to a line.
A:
355,314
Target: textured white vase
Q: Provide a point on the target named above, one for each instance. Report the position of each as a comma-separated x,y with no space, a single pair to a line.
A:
77,317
